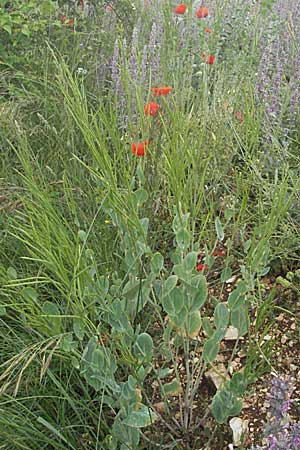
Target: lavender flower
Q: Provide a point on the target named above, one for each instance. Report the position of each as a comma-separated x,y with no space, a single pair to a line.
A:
135,67
133,63
279,398
295,435
278,74
114,63
144,65
152,40
280,434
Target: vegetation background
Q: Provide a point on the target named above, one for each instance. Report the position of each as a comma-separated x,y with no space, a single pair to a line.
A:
149,198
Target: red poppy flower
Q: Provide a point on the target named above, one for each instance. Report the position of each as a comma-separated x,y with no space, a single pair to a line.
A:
164,90
208,30
201,267
202,12
63,19
209,59
138,148
219,252
70,23
180,9
151,108
109,8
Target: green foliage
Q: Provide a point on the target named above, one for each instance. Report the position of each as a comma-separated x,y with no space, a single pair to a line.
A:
219,229
291,281
172,388
141,418
211,349
185,293
143,348
227,401
221,316
21,22
225,404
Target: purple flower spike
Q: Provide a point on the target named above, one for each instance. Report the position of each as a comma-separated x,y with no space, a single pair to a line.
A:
280,434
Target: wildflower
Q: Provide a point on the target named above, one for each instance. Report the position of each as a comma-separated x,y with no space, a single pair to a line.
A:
138,148
180,9
70,23
109,8
154,49
164,90
219,252
81,71
201,267
81,4
115,75
209,59
279,397
208,30
272,441
295,434
239,116
202,12
151,108
63,19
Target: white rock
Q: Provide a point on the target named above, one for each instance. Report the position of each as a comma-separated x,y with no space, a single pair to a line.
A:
231,280
232,334
239,428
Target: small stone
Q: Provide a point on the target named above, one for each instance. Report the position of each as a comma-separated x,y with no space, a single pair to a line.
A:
293,367
291,343
218,378
232,334
160,407
284,339
231,280
233,365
